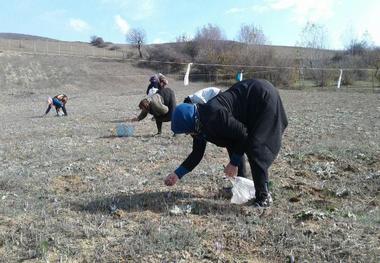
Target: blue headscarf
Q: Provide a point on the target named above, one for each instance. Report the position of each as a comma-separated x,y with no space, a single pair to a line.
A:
183,118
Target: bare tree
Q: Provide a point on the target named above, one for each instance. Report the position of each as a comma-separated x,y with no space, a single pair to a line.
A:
208,40
251,34
209,32
183,38
189,46
136,37
314,38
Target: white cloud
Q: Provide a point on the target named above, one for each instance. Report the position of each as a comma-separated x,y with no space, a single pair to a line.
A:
302,11
138,11
158,41
235,10
122,24
369,21
78,24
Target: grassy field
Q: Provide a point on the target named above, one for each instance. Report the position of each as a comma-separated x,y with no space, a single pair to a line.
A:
71,191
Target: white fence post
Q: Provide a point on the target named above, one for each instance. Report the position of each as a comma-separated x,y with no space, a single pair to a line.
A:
340,78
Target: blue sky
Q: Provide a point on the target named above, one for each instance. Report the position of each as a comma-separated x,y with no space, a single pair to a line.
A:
164,20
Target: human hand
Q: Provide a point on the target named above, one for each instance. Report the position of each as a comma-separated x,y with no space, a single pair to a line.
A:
171,179
231,170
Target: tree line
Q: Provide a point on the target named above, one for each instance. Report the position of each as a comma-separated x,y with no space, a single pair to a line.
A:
209,46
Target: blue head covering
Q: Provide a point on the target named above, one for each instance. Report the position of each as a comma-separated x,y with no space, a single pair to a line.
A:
183,118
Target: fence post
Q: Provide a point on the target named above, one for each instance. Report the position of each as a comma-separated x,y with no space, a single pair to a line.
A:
340,78
323,78
373,82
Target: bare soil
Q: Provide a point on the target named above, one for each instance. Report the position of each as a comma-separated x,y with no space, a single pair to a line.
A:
72,191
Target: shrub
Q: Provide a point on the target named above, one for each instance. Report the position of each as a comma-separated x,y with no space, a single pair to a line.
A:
97,41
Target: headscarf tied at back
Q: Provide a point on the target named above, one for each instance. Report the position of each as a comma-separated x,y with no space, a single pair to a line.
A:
153,78
183,118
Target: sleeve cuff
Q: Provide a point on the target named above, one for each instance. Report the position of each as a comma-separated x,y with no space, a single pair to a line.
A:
235,159
181,171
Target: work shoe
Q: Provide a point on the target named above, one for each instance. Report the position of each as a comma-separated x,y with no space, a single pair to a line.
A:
263,200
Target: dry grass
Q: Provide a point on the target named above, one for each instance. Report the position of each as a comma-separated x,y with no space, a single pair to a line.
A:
71,191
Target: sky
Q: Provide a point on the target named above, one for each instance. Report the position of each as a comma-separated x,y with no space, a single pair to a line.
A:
282,21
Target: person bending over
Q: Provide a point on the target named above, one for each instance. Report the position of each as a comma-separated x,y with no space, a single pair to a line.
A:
247,118
58,102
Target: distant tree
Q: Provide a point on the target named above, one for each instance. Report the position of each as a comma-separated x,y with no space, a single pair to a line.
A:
183,38
251,34
97,41
208,41
209,32
358,46
136,37
190,47
314,38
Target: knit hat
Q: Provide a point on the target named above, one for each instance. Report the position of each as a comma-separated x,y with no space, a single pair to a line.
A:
183,118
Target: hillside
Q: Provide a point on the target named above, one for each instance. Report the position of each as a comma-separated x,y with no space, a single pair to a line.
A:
17,36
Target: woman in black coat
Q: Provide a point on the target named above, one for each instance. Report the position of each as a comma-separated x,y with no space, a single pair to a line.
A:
247,118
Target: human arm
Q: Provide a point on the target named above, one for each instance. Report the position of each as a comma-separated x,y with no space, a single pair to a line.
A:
48,109
199,146
141,116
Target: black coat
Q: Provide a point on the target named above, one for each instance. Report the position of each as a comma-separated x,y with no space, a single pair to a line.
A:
247,118
169,101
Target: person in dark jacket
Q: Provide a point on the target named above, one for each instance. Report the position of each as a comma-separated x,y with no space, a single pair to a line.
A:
58,102
153,86
156,82
161,105
168,96
247,118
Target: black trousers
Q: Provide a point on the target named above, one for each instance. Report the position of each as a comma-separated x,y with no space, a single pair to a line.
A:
259,174
160,120
56,109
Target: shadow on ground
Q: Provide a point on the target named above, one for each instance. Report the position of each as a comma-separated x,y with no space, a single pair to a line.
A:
159,202
134,136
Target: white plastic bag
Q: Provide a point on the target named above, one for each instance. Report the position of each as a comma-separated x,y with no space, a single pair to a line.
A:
243,190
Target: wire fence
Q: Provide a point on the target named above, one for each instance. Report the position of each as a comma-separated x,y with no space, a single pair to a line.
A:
50,47
291,77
